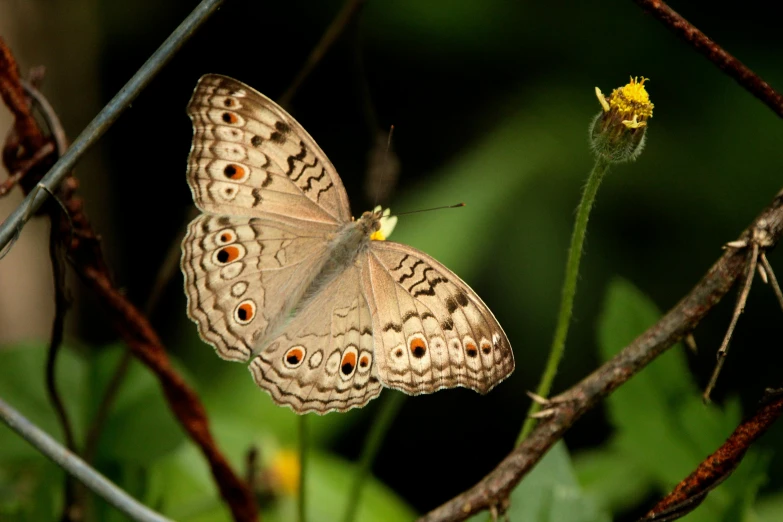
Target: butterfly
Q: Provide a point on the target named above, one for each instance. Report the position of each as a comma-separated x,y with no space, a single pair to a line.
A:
278,273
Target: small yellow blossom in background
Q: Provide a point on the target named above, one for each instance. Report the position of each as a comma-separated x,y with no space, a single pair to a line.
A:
618,132
284,472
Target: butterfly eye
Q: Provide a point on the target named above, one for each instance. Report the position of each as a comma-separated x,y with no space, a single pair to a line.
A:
294,357
245,312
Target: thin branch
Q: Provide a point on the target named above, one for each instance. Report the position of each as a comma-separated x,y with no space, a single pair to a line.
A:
772,279
86,255
76,466
714,53
742,298
106,117
717,467
495,488
349,11
25,166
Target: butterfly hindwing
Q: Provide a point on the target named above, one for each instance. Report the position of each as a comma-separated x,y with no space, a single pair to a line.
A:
243,276
323,361
251,158
432,330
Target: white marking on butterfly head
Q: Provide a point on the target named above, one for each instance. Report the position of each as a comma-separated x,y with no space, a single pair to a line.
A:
383,223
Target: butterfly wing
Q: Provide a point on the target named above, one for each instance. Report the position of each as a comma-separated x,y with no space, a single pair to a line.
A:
243,276
432,330
251,158
323,360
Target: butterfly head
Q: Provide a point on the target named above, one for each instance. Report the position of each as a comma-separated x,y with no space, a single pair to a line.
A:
382,223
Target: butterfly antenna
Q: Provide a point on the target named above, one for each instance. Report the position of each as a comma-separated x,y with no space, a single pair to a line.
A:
456,205
386,164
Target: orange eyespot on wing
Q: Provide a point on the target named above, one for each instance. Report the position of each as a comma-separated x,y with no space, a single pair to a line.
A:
348,363
227,254
245,312
234,172
418,347
294,357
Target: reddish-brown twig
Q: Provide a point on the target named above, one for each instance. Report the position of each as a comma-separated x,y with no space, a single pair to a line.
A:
86,256
494,489
715,53
717,467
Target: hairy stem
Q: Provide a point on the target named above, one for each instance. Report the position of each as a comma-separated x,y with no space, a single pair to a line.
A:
569,289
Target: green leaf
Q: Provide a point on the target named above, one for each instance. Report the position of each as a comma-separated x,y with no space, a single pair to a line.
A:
140,426
663,430
22,385
616,484
182,488
551,493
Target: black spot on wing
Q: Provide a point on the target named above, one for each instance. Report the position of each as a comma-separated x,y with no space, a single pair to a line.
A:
408,316
392,326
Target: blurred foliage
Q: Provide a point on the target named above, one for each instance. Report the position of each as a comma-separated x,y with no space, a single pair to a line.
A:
491,101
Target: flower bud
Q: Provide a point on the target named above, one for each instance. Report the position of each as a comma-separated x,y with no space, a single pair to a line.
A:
617,133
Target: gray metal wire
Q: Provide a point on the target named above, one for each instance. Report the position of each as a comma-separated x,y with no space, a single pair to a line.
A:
77,467
108,115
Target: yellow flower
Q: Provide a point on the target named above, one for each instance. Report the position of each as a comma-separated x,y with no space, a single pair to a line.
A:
618,132
284,471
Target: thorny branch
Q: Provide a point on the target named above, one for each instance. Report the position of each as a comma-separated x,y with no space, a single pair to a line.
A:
714,53
717,467
494,489
85,254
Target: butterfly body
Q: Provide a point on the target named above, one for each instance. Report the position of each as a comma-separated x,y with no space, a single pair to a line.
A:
277,272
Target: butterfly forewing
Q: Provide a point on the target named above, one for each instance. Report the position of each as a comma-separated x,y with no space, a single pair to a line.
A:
432,330
250,158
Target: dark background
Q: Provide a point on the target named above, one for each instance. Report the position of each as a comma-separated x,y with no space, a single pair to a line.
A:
491,102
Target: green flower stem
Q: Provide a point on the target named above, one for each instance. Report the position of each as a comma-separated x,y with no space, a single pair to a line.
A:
388,411
303,450
569,289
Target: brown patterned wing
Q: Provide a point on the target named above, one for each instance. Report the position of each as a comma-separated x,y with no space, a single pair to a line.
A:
243,276
323,361
431,329
251,158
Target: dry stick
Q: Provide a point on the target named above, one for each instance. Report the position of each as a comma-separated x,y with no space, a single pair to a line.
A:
25,166
347,13
718,466
27,133
143,341
772,279
87,258
742,298
166,272
715,53
75,466
493,489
